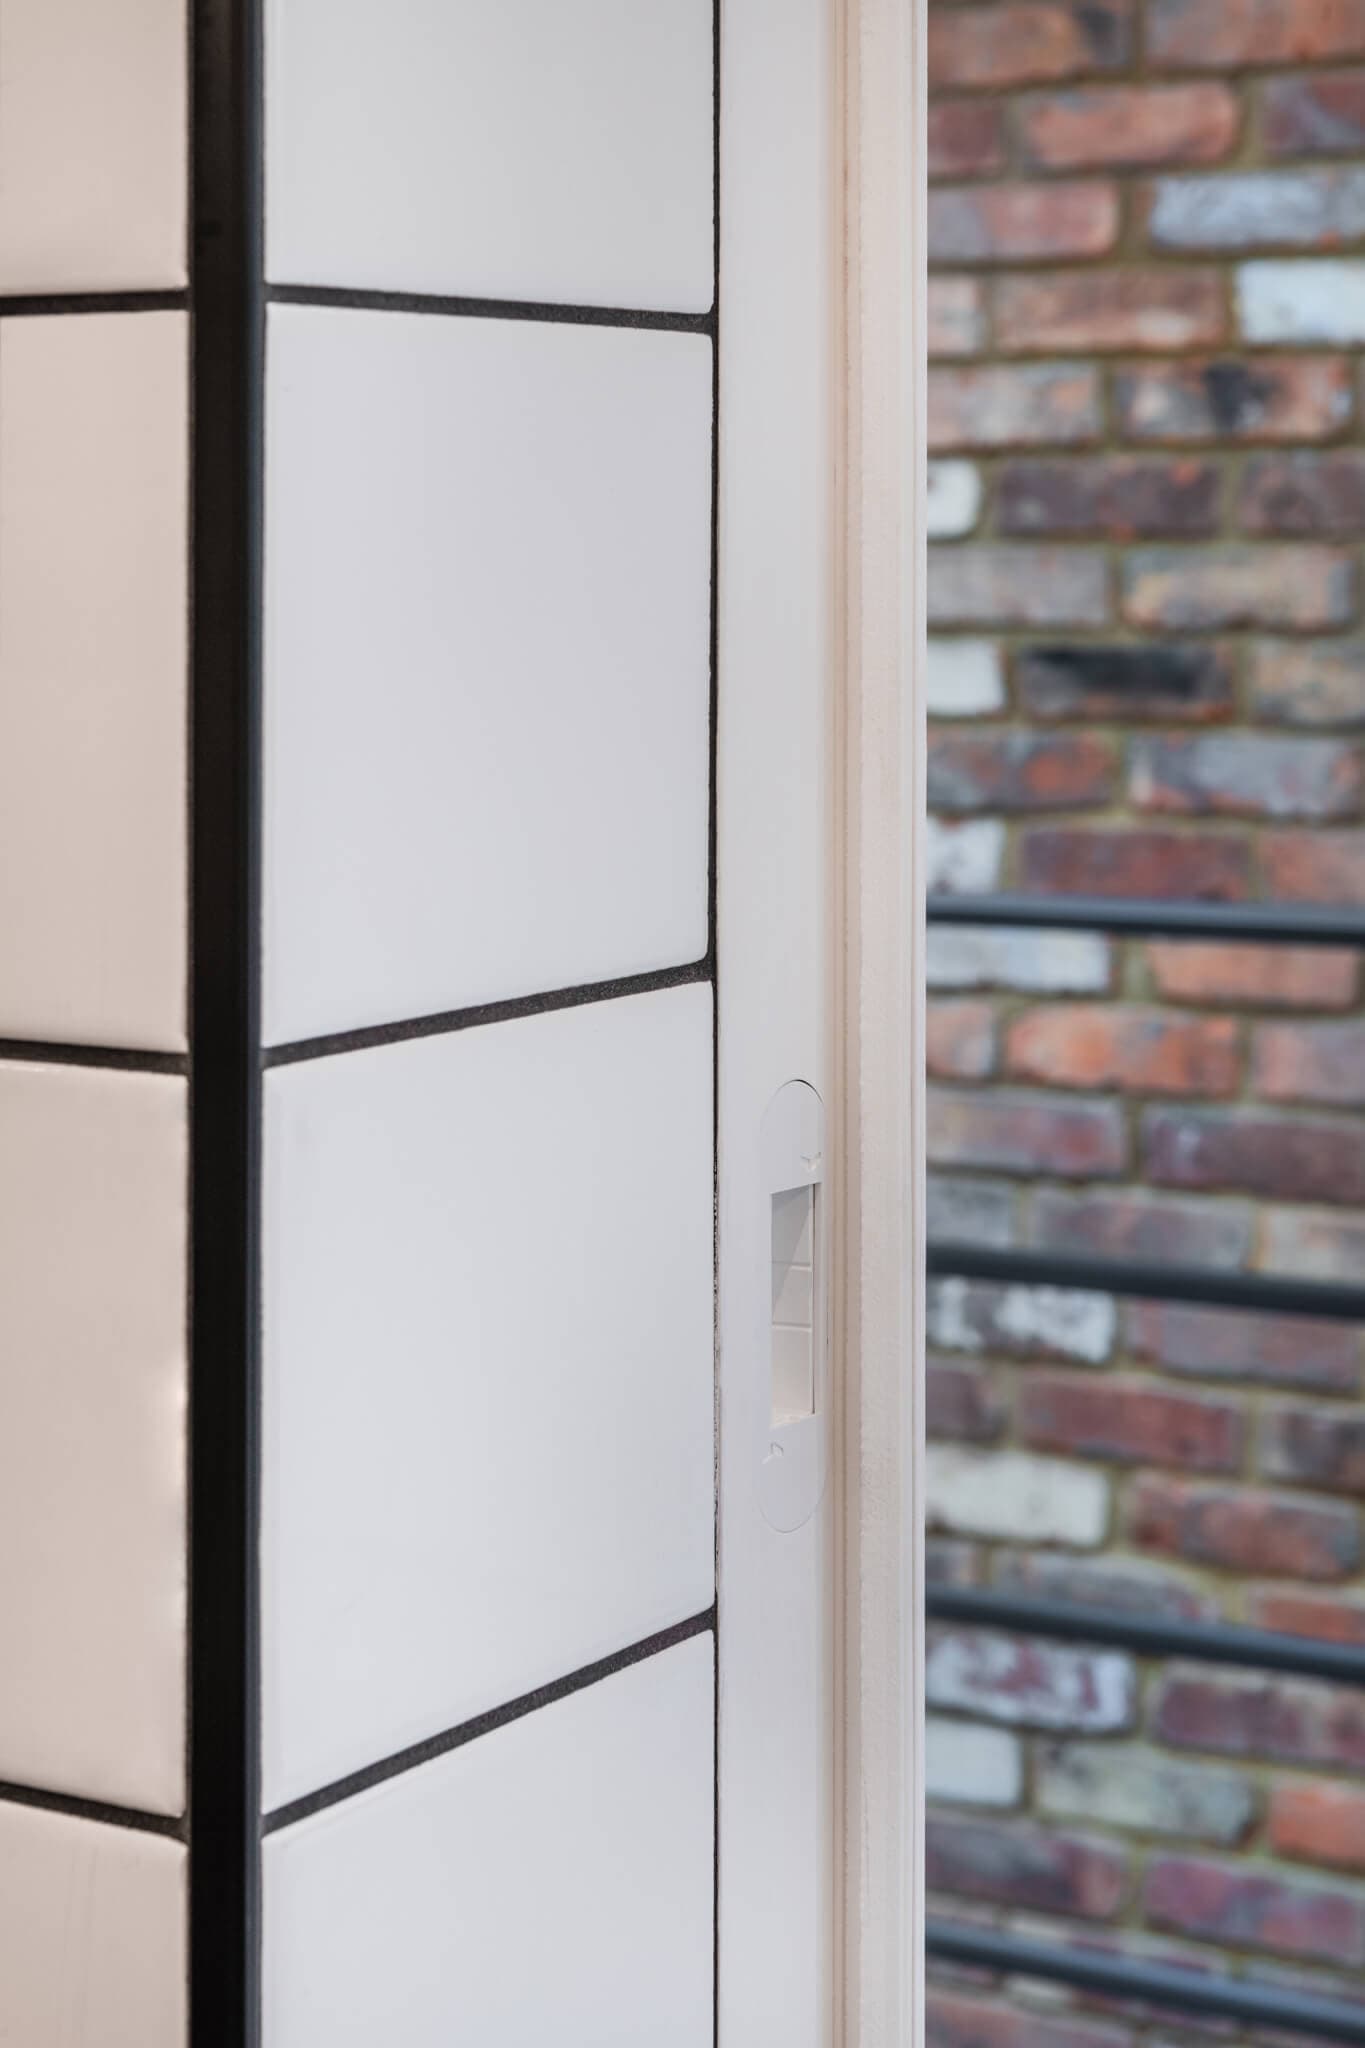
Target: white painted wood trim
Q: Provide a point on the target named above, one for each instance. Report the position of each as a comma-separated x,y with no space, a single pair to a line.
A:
880,1259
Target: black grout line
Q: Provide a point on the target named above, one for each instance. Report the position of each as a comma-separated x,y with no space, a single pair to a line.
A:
74,1808
27,305
227,397
435,1746
713,927
124,1059
488,309
446,1022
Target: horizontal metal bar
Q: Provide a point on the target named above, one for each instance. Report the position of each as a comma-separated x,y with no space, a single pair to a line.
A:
1146,1635
1186,1991
1275,924
1201,1286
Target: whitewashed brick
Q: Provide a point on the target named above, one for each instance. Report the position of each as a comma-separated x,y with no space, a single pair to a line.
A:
967,858
1014,1497
971,1765
1070,1320
965,1210
964,678
1319,301
1037,962
954,499
1128,1786
1028,1683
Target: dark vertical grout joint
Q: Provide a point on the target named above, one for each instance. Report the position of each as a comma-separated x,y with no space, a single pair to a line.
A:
713,950
227,315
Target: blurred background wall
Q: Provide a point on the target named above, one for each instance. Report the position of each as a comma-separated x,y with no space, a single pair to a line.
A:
1147,678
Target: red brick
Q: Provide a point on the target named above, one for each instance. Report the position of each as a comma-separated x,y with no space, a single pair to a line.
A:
1317,114
1216,35
1021,223
1314,1447
1244,1347
960,1040
1248,1908
1264,398
1319,1823
1322,683
982,585
1310,1063
1246,775
1019,771
1257,977
1092,1045
1124,497
962,1404
1315,867
1195,590
1292,1721
1024,41
1013,406
1290,1612
1020,1133
1271,1535
957,2020
1283,1158
1079,311
1304,494
1139,1225
1022,1866
1127,126
966,138
1167,680
956,316
1177,865
1129,1421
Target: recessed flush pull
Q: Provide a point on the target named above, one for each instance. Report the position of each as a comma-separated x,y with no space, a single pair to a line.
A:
793,1454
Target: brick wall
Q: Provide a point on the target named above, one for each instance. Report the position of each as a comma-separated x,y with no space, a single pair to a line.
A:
1147,677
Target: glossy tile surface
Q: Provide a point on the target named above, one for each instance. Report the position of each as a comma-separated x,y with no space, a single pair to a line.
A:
487,661
92,1398
93,170
550,1882
536,149
488,1416
93,656
92,1934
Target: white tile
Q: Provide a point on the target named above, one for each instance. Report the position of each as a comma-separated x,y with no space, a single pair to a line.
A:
487,661
92,1428
92,1934
488,1426
537,149
93,172
94,463
550,1882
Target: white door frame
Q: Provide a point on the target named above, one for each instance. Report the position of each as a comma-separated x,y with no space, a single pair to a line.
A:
880,1210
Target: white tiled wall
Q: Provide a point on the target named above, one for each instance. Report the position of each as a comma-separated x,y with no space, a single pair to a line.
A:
550,1882
488,1236
533,150
94,1138
487,661
93,176
92,1934
93,551
92,1421
488,1381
